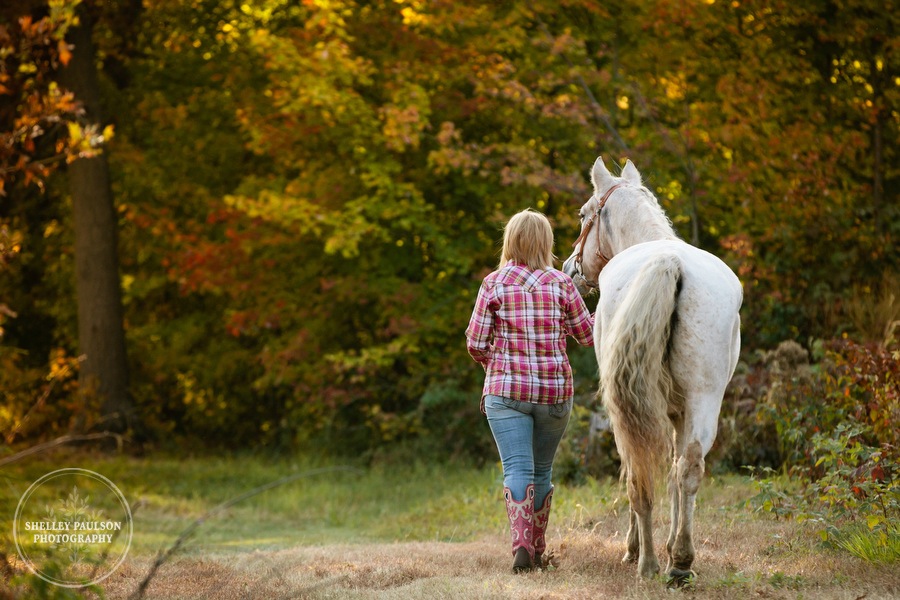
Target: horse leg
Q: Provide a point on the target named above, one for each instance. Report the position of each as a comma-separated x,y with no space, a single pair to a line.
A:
699,435
674,489
674,503
642,507
634,549
689,472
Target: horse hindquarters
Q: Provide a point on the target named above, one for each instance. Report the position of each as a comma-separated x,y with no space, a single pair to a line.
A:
636,384
703,354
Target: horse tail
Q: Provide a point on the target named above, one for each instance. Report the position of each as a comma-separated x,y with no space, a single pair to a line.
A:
635,381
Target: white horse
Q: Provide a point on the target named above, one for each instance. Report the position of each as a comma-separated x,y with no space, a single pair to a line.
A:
667,337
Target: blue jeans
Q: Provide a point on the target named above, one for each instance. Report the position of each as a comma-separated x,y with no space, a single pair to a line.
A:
527,435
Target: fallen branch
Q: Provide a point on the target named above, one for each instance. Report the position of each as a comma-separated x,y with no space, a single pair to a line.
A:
60,441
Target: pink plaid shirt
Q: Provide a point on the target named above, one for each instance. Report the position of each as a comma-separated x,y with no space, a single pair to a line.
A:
518,333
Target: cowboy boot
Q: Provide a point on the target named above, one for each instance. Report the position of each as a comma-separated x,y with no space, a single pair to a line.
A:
541,517
521,522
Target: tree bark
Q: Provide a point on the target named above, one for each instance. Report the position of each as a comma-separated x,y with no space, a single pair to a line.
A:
101,334
878,177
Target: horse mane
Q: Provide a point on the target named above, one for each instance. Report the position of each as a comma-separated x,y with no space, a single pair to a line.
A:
636,218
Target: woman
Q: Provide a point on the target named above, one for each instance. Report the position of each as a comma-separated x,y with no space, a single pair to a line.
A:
517,332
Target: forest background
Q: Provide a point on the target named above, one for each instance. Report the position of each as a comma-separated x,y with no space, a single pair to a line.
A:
269,219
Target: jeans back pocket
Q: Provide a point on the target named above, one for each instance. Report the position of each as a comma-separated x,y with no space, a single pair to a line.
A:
560,410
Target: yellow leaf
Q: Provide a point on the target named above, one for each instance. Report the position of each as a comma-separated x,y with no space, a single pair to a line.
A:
52,228
75,133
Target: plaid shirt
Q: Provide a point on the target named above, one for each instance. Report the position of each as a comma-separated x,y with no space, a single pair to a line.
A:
518,333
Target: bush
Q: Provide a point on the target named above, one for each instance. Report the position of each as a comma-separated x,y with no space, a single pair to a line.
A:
588,448
853,383
747,435
835,424
41,402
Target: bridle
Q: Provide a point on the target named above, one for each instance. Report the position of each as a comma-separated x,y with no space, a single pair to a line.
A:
586,230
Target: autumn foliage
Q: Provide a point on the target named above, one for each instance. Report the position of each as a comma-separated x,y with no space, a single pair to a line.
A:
309,193
42,124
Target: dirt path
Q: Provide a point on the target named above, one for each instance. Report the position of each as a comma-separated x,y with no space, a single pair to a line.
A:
740,562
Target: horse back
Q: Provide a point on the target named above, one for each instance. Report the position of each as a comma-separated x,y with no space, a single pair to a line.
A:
705,334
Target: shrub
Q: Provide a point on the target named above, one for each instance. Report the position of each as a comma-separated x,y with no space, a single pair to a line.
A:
588,448
835,423
39,402
747,435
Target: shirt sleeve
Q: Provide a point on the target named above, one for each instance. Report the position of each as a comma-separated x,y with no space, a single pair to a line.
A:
479,333
579,322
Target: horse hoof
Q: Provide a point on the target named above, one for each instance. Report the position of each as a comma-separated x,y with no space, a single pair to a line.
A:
629,558
680,578
648,571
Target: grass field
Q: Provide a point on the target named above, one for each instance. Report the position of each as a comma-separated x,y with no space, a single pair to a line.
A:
431,531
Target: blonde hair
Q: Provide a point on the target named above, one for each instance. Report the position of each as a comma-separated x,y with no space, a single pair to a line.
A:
528,239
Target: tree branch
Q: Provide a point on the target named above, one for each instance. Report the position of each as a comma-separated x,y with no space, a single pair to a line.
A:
598,109
60,441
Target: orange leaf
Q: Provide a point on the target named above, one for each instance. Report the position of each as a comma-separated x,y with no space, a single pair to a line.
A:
65,52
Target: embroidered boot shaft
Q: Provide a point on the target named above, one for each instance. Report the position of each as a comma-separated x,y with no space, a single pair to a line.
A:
541,518
521,525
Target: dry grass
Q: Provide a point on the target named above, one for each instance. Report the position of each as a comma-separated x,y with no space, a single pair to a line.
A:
334,537
738,556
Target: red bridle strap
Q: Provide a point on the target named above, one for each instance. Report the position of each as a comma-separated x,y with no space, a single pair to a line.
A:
594,218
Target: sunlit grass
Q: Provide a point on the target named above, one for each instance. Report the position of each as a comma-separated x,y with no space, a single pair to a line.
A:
417,502
385,503
872,546
386,528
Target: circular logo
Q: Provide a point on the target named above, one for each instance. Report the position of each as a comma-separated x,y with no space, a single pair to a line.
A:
73,527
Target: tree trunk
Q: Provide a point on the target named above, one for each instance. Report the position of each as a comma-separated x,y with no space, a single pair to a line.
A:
101,334
878,178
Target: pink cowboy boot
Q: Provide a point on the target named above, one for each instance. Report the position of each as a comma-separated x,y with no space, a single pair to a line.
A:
541,518
521,523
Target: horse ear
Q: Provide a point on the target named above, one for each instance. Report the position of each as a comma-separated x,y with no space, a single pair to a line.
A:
600,175
630,173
